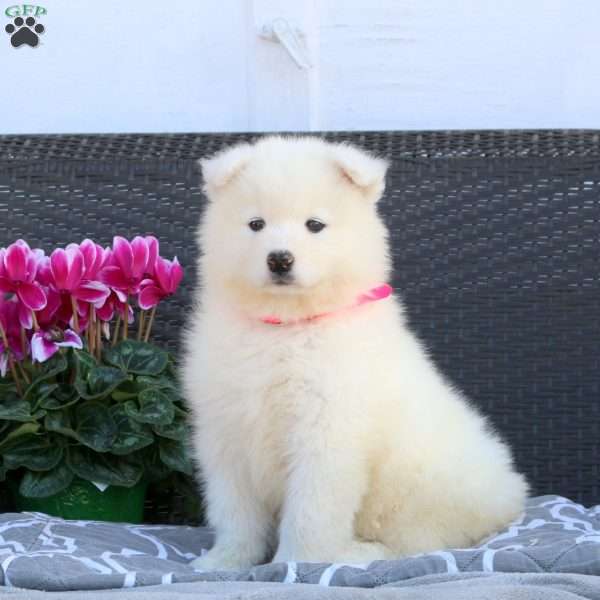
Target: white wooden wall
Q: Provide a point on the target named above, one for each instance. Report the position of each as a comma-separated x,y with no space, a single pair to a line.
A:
200,65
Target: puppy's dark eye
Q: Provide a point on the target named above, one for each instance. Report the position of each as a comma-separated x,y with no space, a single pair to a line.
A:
256,224
315,226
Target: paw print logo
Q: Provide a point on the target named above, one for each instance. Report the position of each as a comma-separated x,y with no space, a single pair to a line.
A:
24,32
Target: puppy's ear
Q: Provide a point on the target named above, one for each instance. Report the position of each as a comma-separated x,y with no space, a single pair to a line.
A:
361,169
220,169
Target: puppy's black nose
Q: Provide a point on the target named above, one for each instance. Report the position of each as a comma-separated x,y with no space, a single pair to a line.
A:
280,262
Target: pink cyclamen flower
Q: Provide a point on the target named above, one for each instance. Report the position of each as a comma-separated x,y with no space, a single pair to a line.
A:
166,280
9,310
128,265
18,269
45,344
153,249
9,321
95,257
50,314
114,305
68,269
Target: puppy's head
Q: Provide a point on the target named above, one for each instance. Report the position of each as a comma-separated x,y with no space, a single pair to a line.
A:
292,219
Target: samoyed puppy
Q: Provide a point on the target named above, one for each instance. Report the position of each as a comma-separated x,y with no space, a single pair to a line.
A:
323,430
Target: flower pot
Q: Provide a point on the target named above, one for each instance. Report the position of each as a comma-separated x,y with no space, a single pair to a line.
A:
83,500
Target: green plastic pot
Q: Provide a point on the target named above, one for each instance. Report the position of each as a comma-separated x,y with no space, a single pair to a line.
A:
83,500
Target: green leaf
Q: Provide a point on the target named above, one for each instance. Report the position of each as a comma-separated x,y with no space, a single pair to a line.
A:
63,396
172,366
34,452
43,391
85,362
176,430
104,468
130,389
101,381
46,370
47,483
59,421
155,408
137,357
13,408
18,431
126,391
154,469
174,456
6,388
161,382
95,426
131,434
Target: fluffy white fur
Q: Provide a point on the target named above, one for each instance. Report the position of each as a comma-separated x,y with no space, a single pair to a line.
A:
336,440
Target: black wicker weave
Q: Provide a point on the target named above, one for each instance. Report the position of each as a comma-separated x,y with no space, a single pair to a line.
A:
496,239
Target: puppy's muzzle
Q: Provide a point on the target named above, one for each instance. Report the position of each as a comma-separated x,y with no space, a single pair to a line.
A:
280,263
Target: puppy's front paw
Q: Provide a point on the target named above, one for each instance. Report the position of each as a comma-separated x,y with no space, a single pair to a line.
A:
364,552
357,552
223,560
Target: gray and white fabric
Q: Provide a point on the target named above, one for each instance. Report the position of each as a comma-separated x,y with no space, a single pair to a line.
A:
554,535
458,586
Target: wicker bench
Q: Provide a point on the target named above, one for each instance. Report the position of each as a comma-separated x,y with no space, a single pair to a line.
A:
496,239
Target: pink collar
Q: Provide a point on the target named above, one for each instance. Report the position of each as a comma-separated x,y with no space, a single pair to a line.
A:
377,293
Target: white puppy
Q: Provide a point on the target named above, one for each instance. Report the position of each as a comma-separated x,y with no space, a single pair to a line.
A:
323,430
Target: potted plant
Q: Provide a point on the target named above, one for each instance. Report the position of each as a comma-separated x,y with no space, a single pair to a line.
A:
90,410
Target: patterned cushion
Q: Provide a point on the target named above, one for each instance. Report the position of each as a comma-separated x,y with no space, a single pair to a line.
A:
41,552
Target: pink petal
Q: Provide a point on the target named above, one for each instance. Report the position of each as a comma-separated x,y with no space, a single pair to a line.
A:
41,348
32,295
25,317
53,302
176,276
65,308
121,310
93,292
88,249
153,247
4,313
6,285
123,255
162,273
114,277
141,252
34,260
59,265
76,267
44,272
105,256
106,312
121,295
23,244
83,308
150,296
83,319
72,340
92,258
15,261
